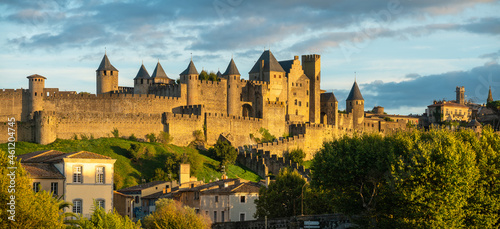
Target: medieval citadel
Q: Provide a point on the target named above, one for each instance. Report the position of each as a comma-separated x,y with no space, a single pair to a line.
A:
283,97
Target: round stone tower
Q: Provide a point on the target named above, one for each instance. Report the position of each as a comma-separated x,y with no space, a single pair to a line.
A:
355,105
233,91
36,86
142,81
106,77
190,77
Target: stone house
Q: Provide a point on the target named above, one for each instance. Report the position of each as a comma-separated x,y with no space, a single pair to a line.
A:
80,177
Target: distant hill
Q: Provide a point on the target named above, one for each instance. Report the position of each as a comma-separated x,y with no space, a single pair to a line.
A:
138,162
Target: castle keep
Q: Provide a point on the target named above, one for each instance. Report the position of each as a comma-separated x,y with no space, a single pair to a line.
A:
283,97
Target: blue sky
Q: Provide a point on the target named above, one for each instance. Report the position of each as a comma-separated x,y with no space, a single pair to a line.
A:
405,53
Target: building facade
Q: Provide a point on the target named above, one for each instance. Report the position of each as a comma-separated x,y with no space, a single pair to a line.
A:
80,177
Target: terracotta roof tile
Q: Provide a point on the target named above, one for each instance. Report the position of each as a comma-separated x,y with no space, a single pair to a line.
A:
42,170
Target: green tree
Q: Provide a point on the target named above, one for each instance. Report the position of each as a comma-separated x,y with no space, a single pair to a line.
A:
151,137
224,152
434,179
115,133
32,210
101,219
203,75
297,156
283,197
165,138
171,214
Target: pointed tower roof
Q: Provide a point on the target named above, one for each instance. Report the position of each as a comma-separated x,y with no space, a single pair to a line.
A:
490,97
159,72
142,74
190,70
219,74
327,97
355,94
106,65
231,69
270,63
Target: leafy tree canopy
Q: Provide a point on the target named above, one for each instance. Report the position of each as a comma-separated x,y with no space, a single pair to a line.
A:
413,179
171,214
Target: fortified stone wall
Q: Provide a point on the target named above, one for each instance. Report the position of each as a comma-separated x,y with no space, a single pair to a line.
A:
182,126
239,127
263,163
14,103
112,103
52,125
283,146
314,136
332,221
23,131
213,94
274,121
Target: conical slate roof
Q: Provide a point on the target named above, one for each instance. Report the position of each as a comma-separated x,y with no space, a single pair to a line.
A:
328,97
270,63
106,65
190,70
355,94
142,74
231,69
159,72
219,74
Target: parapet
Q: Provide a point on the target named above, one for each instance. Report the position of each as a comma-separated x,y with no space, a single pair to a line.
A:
311,57
13,92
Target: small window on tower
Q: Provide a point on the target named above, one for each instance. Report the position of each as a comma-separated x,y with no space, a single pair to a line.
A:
275,76
104,72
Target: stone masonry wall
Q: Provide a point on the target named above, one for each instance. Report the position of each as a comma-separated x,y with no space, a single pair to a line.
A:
52,125
112,103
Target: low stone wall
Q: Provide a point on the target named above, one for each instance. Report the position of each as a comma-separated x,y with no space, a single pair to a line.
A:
330,221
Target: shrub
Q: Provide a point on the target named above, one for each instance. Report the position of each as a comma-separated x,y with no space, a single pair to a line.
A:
115,133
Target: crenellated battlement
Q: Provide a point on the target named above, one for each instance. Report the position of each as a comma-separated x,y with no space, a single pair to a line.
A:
311,57
62,95
186,117
287,141
13,93
212,83
234,117
264,162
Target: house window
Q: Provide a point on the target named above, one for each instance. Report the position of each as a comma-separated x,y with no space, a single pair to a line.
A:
242,216
242,199
54,188
36,186
136,199
222,216
215,216
197,211
100,203
216,199
77,206
196,195
99,175
77,174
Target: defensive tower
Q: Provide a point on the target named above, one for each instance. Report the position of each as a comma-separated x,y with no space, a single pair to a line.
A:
311,64
233,91
355,104
106,77
190,77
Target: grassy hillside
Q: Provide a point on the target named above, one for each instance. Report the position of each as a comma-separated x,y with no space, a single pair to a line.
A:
137,161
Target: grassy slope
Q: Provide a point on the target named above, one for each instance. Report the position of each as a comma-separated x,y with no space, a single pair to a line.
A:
129,172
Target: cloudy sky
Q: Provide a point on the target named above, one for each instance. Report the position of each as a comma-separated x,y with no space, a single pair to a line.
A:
405,53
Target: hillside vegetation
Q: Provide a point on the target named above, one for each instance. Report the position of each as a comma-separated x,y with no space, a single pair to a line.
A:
139,162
